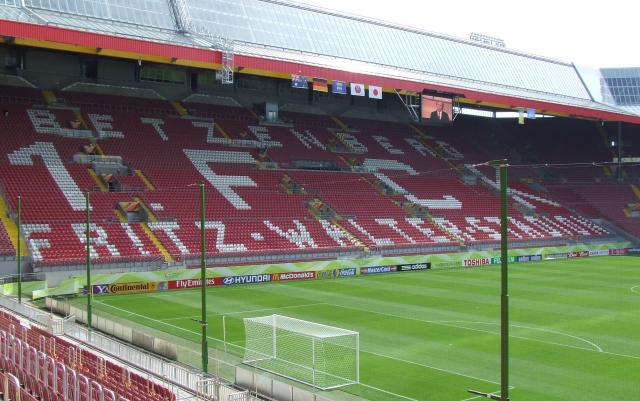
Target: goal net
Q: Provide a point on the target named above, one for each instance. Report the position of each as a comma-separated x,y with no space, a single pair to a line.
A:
321,356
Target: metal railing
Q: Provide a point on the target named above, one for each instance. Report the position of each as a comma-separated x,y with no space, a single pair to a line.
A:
167,371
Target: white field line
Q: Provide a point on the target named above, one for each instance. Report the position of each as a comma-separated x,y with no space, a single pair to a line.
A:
156,320
479,396
407,318
487,331
387,392
277,308
633,289
244,311
453,372
594,345
374,353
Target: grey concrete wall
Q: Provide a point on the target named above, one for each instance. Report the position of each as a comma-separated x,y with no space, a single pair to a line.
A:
122,72
8,268
3,53
55,70
116,71
51,70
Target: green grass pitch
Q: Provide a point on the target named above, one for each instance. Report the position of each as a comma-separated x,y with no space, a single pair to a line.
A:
431,335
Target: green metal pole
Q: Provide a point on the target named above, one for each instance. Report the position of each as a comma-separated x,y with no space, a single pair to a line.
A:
504,288
88,252
19,255
504,279
203,282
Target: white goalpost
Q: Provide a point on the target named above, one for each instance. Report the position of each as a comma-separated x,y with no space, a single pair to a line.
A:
321,356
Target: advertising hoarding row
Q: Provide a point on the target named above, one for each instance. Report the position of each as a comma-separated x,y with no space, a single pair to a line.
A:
145,287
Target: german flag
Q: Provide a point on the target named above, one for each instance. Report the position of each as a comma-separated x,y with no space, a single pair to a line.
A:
320,85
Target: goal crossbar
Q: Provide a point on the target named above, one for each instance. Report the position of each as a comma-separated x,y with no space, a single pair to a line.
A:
304,327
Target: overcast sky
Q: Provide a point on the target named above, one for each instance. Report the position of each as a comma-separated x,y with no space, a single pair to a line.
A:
595,33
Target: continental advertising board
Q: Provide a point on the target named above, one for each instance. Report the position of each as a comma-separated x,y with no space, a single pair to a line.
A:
133,288
128,288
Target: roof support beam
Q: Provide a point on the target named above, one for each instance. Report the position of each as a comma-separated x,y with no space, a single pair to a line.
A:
411,102
181,15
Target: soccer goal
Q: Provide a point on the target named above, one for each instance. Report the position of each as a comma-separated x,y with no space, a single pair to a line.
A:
321,356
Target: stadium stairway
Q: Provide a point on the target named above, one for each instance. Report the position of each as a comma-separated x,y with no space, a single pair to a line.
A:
50,98
98,180
99,150
150,234
415,129
182,111
340,123
121,217
221,130
157,243
145,180
79,117
11,228
152,217
355,238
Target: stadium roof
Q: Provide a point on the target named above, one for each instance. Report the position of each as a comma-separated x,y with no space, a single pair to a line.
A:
279,38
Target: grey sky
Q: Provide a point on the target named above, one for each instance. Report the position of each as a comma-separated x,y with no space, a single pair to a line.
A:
589,32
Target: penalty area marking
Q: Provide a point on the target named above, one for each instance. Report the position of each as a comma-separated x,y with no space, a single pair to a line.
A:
244,311
387,392
276,308
452,372
635,289
480,396
594,345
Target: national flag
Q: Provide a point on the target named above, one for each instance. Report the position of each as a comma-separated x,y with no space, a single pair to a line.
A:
339,87
521,116
531,114
299,81
375,92
357,89
320,85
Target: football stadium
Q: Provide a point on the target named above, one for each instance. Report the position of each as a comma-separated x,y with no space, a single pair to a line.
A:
378,212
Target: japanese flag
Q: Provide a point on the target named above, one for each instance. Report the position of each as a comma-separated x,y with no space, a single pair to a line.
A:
375,92
357,89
